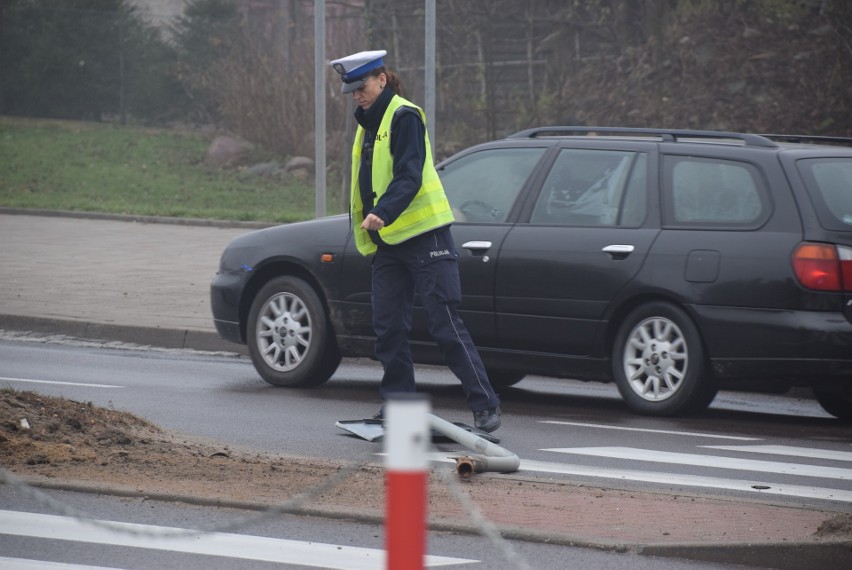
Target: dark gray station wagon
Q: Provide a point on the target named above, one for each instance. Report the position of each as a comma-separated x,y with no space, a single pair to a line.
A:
673,263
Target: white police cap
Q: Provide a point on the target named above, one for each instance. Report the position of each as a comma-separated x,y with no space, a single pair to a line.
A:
355,68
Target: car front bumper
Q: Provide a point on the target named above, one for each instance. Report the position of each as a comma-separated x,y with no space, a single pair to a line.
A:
225,293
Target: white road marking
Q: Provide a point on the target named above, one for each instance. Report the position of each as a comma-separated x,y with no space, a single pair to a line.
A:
57,382
237,546
24,564
647,430
718,462
672,479
808,452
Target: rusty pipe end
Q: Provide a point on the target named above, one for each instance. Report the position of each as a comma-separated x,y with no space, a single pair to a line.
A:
467,466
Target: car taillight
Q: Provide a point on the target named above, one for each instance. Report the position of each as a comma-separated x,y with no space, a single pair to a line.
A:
845,255
824,267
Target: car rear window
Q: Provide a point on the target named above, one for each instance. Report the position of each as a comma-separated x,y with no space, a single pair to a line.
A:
829,183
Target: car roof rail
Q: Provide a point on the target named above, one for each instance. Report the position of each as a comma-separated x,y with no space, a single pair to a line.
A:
667,135
816,139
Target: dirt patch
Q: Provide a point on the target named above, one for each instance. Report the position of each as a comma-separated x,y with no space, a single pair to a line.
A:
43,438
48,437
841,525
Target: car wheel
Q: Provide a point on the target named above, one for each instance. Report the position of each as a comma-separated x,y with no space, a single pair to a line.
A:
500,379
659,363
836,402
290,340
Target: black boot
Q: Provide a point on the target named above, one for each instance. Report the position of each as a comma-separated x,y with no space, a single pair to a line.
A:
487,420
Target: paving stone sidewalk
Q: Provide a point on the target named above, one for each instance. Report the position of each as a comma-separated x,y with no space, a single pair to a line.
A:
134,281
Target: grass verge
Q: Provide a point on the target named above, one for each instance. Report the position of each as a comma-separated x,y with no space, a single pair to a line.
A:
93,167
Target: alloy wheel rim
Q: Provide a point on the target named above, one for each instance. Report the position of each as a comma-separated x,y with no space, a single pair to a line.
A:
284,332
655,359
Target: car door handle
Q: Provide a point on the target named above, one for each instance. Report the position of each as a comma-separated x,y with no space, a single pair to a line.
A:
618,251
619,248
478,248
477,245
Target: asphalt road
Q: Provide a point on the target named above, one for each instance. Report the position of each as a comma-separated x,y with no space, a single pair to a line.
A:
754,446
772,450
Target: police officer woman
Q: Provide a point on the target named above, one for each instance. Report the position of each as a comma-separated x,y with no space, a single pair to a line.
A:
401,215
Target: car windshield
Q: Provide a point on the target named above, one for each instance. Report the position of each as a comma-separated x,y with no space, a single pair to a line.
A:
829,182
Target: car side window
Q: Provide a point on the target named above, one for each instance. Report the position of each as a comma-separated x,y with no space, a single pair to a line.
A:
594,188
702,191
483,186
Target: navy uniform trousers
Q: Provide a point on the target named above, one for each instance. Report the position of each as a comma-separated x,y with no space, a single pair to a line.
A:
428,264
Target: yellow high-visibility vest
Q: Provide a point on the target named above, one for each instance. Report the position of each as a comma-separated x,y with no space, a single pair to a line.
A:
428,210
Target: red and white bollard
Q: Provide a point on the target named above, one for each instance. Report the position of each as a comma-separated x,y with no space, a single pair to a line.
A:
406,445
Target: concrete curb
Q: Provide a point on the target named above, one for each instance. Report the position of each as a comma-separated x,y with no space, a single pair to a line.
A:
778,555
205,222
149,336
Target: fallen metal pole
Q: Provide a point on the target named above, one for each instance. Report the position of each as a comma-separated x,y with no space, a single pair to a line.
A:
490,456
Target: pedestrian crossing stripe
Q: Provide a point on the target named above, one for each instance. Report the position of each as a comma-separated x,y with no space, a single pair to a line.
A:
718,462
7,563
649,430
237,546
806,452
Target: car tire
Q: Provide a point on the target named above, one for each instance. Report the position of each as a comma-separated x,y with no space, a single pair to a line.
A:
659,363
290,339
837,402
500,379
